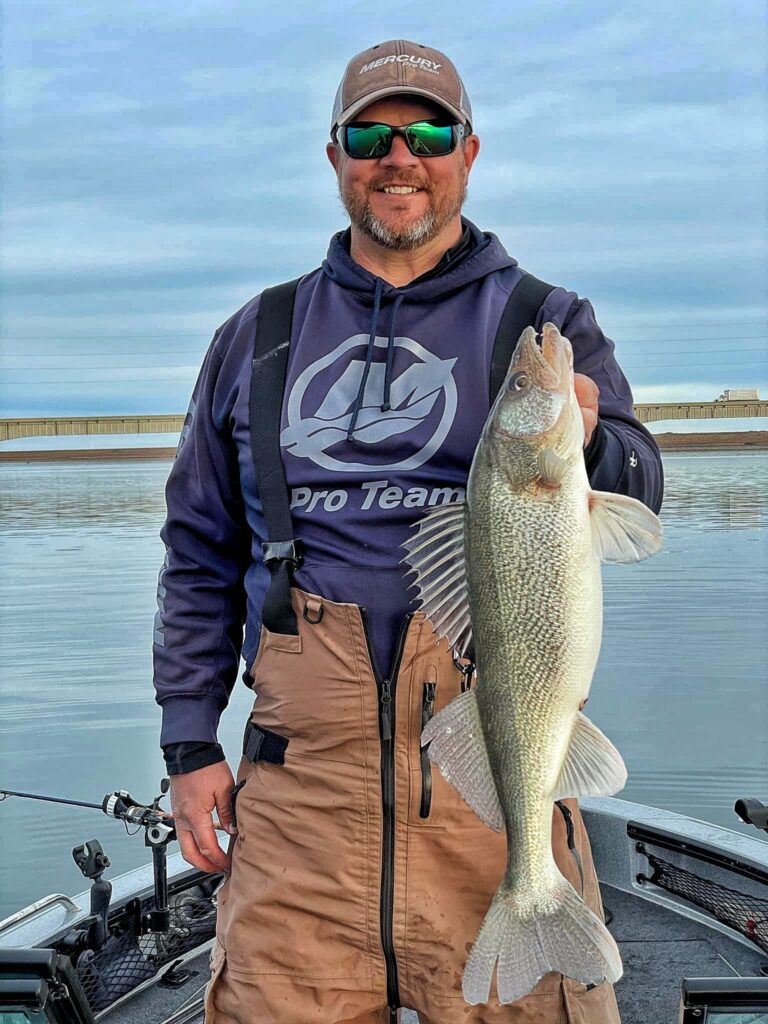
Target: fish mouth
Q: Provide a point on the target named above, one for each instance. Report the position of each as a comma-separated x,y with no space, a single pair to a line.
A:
550,364
538,389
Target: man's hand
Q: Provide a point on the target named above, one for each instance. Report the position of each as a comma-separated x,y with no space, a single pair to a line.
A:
587,393
194,795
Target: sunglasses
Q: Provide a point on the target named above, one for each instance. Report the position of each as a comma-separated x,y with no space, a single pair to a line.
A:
366,140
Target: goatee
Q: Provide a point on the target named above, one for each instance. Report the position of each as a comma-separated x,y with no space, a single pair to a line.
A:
409,236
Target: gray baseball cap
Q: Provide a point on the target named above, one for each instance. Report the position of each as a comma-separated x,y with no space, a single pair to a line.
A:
400,67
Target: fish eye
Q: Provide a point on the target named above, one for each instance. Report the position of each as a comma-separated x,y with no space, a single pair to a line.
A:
518,381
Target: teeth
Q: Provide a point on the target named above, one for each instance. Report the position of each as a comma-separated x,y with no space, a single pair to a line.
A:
399,190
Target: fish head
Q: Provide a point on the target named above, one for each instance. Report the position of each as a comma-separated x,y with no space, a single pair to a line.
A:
536,407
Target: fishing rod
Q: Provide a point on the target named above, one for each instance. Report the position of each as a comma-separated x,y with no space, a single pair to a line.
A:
159,830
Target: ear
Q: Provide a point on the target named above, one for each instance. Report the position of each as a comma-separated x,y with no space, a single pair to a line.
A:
470,150
332,151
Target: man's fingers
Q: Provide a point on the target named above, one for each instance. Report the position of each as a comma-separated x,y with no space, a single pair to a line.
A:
588,396
191,852
208,845
224,810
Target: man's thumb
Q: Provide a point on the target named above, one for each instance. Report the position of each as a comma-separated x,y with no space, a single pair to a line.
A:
224,811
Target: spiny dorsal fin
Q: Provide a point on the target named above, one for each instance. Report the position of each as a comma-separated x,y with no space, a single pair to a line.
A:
436,555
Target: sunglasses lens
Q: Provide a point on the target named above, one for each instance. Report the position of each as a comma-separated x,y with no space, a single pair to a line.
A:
368,143
427,139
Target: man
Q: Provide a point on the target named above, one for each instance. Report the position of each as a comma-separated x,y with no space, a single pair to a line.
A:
358,878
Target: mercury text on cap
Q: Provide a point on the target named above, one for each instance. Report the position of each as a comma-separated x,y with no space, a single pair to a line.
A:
403,58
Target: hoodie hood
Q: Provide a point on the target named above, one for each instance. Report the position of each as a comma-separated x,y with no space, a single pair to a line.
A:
485,255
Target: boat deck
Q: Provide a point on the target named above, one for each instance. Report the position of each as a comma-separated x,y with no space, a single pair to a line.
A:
659,948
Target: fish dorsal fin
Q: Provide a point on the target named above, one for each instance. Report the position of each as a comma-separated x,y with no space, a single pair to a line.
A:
457,747
592,766
436,554
623,529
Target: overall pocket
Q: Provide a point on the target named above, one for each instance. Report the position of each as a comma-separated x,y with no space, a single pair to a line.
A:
427,710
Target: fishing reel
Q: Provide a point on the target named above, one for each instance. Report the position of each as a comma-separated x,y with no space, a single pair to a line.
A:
159,830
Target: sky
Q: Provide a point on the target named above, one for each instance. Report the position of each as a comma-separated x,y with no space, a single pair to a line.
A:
165,162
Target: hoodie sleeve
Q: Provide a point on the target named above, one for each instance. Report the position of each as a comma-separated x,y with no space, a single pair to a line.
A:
622,456
200,595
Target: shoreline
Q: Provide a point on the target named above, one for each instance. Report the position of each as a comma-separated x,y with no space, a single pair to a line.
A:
743,440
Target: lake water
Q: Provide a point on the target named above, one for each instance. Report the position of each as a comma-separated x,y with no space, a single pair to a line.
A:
680,687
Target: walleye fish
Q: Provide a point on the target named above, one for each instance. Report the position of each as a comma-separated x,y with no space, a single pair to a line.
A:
516,569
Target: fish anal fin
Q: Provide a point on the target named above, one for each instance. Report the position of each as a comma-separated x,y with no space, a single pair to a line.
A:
457,747
623,528
592,766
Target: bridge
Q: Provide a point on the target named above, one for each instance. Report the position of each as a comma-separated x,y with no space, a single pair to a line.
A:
79,426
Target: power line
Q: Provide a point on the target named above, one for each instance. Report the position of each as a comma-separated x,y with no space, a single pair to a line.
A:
202,344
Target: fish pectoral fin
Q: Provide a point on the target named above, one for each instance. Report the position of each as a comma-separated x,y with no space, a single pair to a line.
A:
552,467
623,529
592,766
436,554
457,747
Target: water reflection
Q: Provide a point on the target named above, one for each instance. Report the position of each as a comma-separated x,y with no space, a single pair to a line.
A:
71,494
717,492
680,686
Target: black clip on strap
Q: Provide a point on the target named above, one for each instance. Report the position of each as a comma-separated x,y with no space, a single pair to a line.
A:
263,745
282,558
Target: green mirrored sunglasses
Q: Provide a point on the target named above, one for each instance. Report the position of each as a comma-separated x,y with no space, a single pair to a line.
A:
367,140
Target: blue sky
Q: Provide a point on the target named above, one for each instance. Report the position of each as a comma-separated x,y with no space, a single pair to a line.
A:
164,163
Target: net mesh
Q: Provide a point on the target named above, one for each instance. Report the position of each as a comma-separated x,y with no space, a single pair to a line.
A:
127,959
739,910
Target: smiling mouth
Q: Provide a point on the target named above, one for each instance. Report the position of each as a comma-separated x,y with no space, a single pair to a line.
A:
398,190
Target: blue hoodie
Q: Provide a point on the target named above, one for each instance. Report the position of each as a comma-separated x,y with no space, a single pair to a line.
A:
385,398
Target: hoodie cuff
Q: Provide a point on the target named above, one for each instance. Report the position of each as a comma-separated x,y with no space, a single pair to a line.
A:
190,719
188,757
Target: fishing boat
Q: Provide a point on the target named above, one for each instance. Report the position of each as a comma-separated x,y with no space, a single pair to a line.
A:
686,901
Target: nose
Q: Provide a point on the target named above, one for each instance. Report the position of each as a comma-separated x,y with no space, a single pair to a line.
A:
399,155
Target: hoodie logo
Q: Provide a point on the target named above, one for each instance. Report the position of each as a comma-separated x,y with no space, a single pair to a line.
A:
319,411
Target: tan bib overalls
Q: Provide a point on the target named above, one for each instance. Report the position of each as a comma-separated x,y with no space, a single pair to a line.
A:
359,876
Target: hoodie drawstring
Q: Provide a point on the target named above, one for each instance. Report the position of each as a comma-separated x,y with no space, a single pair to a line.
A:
385,406
368,360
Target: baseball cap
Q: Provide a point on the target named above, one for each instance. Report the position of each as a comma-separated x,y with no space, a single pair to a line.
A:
397,67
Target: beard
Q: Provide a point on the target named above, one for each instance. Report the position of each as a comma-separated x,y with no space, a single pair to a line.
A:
412,235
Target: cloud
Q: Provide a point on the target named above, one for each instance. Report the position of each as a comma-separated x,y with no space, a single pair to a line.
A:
165,164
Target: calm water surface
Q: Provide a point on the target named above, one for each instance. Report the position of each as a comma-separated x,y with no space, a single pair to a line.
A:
680,687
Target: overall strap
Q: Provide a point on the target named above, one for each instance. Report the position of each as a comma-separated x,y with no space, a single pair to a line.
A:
520,312
282,552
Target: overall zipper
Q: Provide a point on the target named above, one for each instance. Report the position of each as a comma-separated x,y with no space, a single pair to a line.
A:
386,688
427,710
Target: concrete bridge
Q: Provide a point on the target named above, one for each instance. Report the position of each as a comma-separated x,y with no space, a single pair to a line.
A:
72,426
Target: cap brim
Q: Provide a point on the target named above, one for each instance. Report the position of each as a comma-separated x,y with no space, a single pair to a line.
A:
397,90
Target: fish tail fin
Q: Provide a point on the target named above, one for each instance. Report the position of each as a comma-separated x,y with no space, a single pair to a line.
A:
524,938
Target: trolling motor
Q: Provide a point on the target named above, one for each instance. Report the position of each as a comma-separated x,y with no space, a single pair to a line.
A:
159,830
752,812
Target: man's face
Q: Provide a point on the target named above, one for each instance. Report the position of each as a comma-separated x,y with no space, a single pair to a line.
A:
399,221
